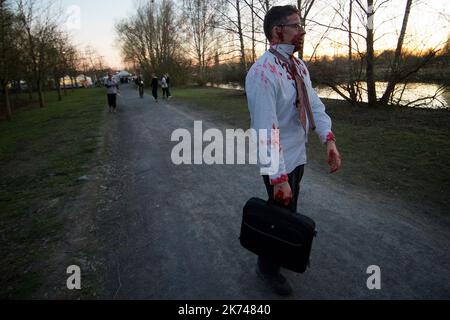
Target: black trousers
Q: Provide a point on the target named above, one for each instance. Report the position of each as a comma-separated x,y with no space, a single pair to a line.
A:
165,93
295,177
112,100
155,93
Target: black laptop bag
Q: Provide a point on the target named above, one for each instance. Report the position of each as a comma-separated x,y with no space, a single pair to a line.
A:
273,231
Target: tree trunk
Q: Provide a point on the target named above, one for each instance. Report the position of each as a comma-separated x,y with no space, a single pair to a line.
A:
370,77
40,94
71,81
304,7
253,34
393,78
18,91
30,90
58,88
7,102
64,86
303,23
241,36
351,81
267,9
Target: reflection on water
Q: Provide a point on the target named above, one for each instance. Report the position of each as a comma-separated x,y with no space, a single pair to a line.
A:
230,85
412,92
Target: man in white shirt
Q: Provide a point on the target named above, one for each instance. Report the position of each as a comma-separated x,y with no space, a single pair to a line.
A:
280,96
112,88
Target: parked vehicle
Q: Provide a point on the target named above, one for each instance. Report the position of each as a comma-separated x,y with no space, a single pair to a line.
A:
80,81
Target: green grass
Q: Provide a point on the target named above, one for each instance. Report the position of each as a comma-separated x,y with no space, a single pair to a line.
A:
403,152
225,105
43,152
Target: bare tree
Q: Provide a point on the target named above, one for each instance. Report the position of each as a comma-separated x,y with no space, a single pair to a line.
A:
304,7
55,53
39,32
168,37
150,39
201,19
361,49
60,55
251,6
395,70
240,33
230,19
351,82
370,59
8,51
258,11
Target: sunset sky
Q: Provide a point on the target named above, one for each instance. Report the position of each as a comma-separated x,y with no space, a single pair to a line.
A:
429,25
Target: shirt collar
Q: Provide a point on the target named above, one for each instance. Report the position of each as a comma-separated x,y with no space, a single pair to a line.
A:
285,49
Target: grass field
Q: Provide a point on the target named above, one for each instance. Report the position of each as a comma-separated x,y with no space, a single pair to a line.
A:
43,153
404,152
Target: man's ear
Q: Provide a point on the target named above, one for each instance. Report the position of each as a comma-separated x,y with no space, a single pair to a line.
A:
280,33
277,33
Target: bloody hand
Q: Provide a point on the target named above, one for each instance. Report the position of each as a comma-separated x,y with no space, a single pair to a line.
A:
283,193
334,158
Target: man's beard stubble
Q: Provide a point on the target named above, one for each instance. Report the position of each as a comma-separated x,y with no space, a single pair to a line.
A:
298,42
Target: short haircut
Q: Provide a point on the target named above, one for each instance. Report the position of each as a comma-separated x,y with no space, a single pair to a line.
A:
277,15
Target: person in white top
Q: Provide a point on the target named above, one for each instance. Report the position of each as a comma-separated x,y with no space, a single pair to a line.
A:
112,88
280,96
164,87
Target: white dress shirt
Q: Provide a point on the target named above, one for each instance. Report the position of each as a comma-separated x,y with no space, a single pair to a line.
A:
272,95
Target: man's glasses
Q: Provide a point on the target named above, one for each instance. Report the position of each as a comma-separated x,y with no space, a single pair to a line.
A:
297,26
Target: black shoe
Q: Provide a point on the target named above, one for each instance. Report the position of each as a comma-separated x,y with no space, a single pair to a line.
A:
277,282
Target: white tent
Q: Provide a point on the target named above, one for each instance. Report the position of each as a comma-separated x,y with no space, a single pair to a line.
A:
123,74
85,81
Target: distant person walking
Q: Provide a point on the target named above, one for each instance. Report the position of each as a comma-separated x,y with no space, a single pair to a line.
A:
164,87
140,84
112,88
154,86
169,94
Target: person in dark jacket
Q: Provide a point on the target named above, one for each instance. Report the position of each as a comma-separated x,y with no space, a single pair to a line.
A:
154,85
140,85
169,94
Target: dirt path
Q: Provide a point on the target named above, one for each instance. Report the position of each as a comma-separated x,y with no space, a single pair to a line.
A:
171,232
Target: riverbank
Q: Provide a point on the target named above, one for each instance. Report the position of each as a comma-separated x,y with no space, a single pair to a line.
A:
402,152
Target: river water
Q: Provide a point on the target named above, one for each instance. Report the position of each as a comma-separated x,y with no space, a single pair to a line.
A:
412,92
